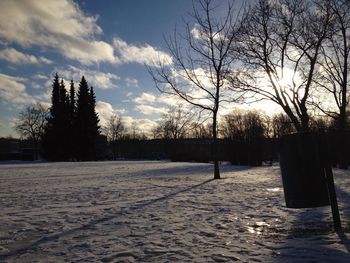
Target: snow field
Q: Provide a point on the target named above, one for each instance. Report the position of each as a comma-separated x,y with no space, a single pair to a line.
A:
145,211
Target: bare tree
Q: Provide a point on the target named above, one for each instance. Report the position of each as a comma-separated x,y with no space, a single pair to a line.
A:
279,46
281,125
199,68
246,130
31,124
243,125
200,130
334,73
135,132
233,125
320,123
174,124
114,130
335,63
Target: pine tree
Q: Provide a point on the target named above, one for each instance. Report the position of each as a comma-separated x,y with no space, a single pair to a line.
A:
81,120
71,101
72,126
86,122
54,110
55,143
63,124
93,124
50,144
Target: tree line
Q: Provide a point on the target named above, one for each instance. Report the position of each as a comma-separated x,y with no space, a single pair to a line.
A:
246,137
247,131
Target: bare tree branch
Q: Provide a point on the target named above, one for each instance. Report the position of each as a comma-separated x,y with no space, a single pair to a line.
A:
280,43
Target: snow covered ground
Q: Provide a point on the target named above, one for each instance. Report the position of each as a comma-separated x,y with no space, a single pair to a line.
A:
145,211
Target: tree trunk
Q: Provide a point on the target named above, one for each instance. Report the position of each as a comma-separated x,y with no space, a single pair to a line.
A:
343,163
215,148
305,120
342,141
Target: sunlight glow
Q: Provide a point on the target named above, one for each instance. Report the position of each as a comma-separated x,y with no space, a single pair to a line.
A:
285,80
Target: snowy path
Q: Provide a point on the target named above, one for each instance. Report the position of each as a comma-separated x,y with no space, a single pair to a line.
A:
161,212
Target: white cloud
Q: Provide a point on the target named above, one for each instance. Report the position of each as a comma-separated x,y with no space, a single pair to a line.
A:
60,25
104,80
40,76
145,54
148,103
198,33
16,57
44,97
195,32
35,85
105,110
94,78
145,98
149,110
168,100
88,52
199,95
142,125
131,82
150,98
13,90
45,60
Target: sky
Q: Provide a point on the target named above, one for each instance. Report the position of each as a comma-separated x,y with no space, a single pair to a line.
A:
109,42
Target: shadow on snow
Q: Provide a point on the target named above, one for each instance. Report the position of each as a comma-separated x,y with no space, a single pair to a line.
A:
92,223
307,239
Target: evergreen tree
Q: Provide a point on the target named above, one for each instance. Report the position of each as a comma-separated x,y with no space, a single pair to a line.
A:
50,144
81,120
86,122
63,96
71,101
55,144
72,130
55,99
72,126
64,124
93,124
